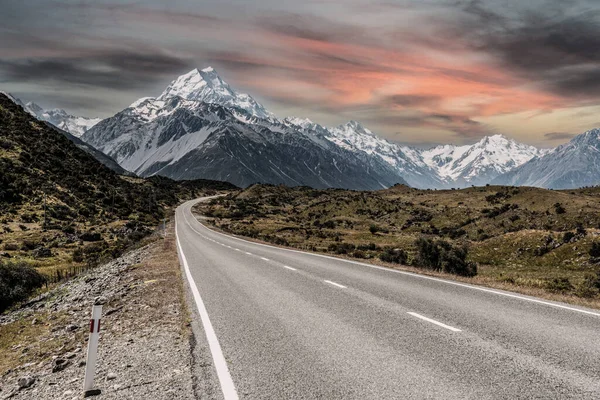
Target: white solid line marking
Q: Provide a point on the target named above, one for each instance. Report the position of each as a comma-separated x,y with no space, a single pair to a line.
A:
434,322
290,268
266,259
336,284
227,385
395,271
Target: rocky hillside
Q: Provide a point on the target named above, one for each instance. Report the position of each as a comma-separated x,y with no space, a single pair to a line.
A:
61,209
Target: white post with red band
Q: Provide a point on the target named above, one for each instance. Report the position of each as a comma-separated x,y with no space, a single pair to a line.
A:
92,353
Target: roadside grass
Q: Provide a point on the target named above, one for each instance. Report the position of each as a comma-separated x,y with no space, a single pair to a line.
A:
515,235
22,342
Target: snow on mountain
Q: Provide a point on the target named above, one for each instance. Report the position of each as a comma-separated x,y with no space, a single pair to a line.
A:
479,163
74,125
572,165
185,139
407,161
207,86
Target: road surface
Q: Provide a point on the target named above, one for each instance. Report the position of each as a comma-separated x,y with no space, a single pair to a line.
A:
284,324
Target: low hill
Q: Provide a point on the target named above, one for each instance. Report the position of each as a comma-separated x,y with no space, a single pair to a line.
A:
521,237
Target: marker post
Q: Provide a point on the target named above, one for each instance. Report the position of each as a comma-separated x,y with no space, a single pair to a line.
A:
92,353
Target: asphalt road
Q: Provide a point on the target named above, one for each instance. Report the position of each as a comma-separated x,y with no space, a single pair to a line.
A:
283,324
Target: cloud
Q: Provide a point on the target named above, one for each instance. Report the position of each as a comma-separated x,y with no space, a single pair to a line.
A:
116,69
554,45
559,136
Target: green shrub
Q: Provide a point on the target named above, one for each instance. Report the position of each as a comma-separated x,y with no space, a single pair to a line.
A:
568,236
590,287
391,255
560,285
78,255
341,248
18,280
443,256
11,246
594,251
328,224
374,229
90,236
29,244
359,254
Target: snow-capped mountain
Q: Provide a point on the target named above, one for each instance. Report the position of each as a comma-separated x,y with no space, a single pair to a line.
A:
74,125
186,139
480,163
207,86
200,127
572,165
407,161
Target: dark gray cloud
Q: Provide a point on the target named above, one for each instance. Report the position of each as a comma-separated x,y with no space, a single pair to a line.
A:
117,69
556,44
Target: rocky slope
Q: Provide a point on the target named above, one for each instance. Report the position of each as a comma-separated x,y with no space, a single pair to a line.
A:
138,358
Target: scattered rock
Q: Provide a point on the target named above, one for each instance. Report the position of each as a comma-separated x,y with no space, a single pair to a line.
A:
111,376
71,328
59,364
25,382
101,300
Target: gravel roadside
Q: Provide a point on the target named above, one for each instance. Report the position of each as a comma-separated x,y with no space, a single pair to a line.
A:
146,342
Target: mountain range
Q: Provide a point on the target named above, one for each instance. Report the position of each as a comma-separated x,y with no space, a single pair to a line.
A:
200,127
72,124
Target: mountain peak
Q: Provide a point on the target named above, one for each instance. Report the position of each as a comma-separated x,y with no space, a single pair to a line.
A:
207,86
355,127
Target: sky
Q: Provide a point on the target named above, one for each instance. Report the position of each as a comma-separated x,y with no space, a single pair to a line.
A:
419,72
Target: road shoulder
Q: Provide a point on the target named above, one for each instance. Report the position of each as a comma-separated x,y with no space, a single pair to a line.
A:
146,340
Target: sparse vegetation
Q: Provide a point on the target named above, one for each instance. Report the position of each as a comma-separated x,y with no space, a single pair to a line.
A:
515,236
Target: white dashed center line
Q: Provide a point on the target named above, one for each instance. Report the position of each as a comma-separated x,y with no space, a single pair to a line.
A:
434,322
249,253
266,259
290,268
336,284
